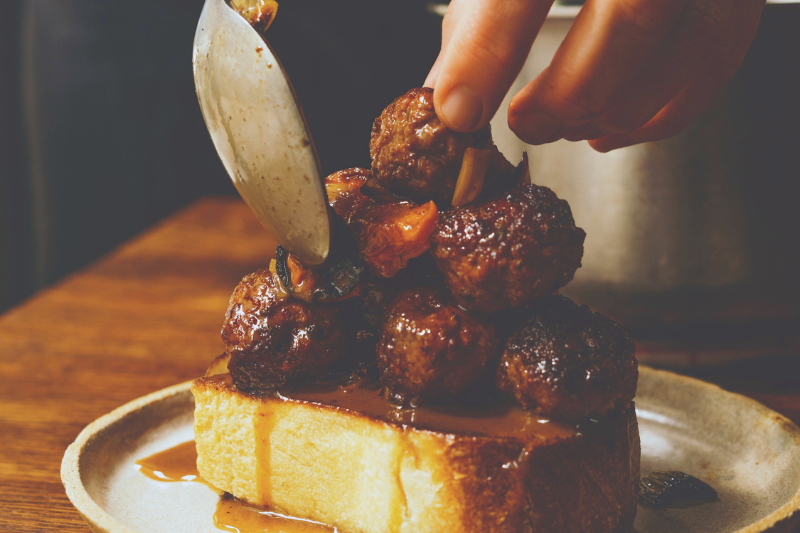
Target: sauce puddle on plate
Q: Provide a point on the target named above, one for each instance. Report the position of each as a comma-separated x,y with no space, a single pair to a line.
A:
179,463
237,517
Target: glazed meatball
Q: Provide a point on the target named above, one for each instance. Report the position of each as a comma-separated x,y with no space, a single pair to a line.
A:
568,362
274,339
378,294
506,253
429,347
414,154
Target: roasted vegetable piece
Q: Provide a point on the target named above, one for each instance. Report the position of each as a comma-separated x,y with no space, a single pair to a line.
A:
274,339
470,178
415,155
389,232
509,251
662,490
344,191
568,362
335,279
429,347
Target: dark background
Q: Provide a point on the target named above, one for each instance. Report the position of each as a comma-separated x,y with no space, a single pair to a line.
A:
101,134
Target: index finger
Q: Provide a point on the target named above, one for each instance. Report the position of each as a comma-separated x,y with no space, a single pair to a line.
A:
608,43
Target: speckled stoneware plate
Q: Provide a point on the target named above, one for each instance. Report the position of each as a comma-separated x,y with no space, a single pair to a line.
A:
748,453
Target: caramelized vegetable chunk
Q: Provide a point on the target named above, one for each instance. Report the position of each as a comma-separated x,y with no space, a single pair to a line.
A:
344,191
415,155
274,339
568,362
505,253
429,347
389,232
337,278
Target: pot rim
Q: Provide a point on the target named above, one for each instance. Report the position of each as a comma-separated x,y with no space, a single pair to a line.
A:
561,12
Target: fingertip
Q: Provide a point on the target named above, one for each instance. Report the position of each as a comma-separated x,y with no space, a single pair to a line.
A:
611,142
430,81
597,145
533,126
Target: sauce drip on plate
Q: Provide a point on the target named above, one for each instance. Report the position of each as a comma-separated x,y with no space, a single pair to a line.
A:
179,463
237,517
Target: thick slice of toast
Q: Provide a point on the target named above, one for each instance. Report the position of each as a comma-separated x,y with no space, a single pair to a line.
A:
348,459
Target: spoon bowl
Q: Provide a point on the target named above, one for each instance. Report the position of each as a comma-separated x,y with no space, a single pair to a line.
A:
259,131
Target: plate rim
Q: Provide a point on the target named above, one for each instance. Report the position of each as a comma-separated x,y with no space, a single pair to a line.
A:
94,515
99,520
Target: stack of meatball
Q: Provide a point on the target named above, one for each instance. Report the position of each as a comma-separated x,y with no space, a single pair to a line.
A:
435,300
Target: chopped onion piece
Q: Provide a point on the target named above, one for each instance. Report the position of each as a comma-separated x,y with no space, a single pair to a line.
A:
470,179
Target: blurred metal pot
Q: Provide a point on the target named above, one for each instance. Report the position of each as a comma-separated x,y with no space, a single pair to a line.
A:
697,228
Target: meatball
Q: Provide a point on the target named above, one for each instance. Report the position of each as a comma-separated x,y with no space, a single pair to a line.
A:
274,339
568,362
429,347
378,294
518,247
414,154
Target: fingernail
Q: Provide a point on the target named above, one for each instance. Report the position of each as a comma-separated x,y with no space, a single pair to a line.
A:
535,127
462,109
613,142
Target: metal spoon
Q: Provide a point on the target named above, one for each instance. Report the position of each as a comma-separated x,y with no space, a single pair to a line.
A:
259,131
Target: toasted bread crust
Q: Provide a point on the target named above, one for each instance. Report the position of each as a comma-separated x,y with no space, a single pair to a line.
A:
363,474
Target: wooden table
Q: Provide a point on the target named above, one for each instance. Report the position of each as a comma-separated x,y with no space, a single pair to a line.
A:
148,316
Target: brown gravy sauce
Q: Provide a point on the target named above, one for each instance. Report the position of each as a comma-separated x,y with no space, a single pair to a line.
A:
179,463
237,517
499,417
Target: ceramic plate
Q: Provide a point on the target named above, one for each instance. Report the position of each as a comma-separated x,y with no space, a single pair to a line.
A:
748,453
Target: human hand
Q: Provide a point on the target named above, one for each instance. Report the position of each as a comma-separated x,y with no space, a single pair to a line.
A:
629,71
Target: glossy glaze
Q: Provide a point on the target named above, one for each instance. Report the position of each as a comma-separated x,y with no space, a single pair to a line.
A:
179,463
500,417
237,517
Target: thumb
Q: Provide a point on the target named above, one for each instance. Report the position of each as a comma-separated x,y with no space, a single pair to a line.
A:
482,56
449,22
